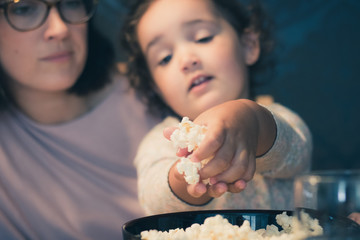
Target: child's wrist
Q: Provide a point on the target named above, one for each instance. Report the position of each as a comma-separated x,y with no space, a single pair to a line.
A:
267,130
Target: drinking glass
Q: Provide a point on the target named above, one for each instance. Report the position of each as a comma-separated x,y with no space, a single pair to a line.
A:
330,196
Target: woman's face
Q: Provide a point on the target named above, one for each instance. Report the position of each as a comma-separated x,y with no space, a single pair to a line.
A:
196,58
47,59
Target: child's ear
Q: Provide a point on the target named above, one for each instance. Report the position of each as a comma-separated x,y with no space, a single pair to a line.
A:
251,43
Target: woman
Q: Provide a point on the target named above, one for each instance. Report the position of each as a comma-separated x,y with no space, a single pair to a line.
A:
69,126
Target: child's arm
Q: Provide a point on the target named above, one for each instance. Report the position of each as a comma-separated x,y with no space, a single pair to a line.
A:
241,131
288,156
238,131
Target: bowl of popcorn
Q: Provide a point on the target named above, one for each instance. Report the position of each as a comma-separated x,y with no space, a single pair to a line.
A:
222,224
228,224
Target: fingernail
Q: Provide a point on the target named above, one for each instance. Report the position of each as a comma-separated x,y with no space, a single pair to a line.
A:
220,189
241,184
200,189
213,181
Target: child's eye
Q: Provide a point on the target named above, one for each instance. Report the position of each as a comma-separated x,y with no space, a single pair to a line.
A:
165,60
205,39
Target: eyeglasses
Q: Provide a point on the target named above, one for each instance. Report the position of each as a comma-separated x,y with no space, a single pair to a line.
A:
26,15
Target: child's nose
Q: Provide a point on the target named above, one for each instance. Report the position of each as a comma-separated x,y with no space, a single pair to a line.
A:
56,27
190,63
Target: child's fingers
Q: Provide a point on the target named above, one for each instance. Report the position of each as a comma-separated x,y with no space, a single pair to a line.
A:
182,152
168,131
217,190
214,139
243,167
221,160
226,156
196,190
250,172
237,186
217,165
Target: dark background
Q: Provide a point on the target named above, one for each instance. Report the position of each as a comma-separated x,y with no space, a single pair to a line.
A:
316,73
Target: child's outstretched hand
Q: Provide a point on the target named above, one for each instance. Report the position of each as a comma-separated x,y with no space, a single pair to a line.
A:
238,131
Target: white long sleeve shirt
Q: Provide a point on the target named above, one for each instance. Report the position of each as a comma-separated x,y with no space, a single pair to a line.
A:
271,187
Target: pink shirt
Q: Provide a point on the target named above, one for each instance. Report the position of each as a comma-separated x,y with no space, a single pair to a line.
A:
74,180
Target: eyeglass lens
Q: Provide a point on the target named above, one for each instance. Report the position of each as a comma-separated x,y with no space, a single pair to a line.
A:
29,14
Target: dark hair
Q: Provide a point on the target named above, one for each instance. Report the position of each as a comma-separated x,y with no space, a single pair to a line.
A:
96,73
239,16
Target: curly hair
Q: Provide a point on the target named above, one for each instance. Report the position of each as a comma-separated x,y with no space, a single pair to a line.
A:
238,15
96,73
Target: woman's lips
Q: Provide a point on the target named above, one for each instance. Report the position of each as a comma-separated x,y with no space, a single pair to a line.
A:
200,80
58,57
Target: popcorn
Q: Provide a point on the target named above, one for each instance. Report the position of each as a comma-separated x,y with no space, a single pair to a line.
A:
219,228
189,169
189,135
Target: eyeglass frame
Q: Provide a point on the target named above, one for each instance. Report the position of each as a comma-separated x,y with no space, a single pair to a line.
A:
49,5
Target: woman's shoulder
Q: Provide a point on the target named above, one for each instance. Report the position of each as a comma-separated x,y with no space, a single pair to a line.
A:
118,90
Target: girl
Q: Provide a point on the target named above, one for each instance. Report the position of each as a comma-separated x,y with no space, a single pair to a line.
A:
193,57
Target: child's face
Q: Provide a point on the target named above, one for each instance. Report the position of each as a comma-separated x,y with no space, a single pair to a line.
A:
195,57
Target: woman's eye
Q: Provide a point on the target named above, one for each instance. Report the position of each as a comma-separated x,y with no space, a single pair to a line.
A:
205,39
165,60
73,4
23,9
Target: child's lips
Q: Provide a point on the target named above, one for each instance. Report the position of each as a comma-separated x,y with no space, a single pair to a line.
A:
199,80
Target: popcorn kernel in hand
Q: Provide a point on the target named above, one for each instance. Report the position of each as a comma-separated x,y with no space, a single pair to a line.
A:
189,135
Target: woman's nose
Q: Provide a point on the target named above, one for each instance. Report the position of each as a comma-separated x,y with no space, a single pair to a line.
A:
56,28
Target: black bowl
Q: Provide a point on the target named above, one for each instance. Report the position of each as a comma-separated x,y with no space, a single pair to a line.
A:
335,227
164,222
